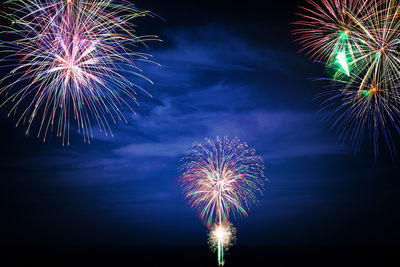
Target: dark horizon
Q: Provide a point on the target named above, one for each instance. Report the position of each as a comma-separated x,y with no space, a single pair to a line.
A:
202,256
227,69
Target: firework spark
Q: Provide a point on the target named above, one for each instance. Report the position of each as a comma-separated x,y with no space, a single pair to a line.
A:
378,36
365,60
221,179
327,28
364,107
70,59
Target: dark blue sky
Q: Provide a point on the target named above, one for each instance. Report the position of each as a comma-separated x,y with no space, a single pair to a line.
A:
225,70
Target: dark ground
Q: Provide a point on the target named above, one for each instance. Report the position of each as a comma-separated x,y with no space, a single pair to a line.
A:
200,256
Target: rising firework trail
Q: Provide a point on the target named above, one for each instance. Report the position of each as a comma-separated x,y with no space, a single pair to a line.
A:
221,237
70,60
221,179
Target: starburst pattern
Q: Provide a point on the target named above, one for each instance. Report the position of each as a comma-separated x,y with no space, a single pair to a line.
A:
71,60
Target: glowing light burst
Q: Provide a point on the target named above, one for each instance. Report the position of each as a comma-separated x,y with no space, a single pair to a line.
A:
222,179
71,59
221,237
342,61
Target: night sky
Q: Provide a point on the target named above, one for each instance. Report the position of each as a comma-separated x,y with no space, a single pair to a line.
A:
227,69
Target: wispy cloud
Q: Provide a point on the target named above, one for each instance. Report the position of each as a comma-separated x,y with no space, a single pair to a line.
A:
212,83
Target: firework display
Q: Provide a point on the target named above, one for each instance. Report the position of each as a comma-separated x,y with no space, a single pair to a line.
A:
70,60
358,41
327,29
221,179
